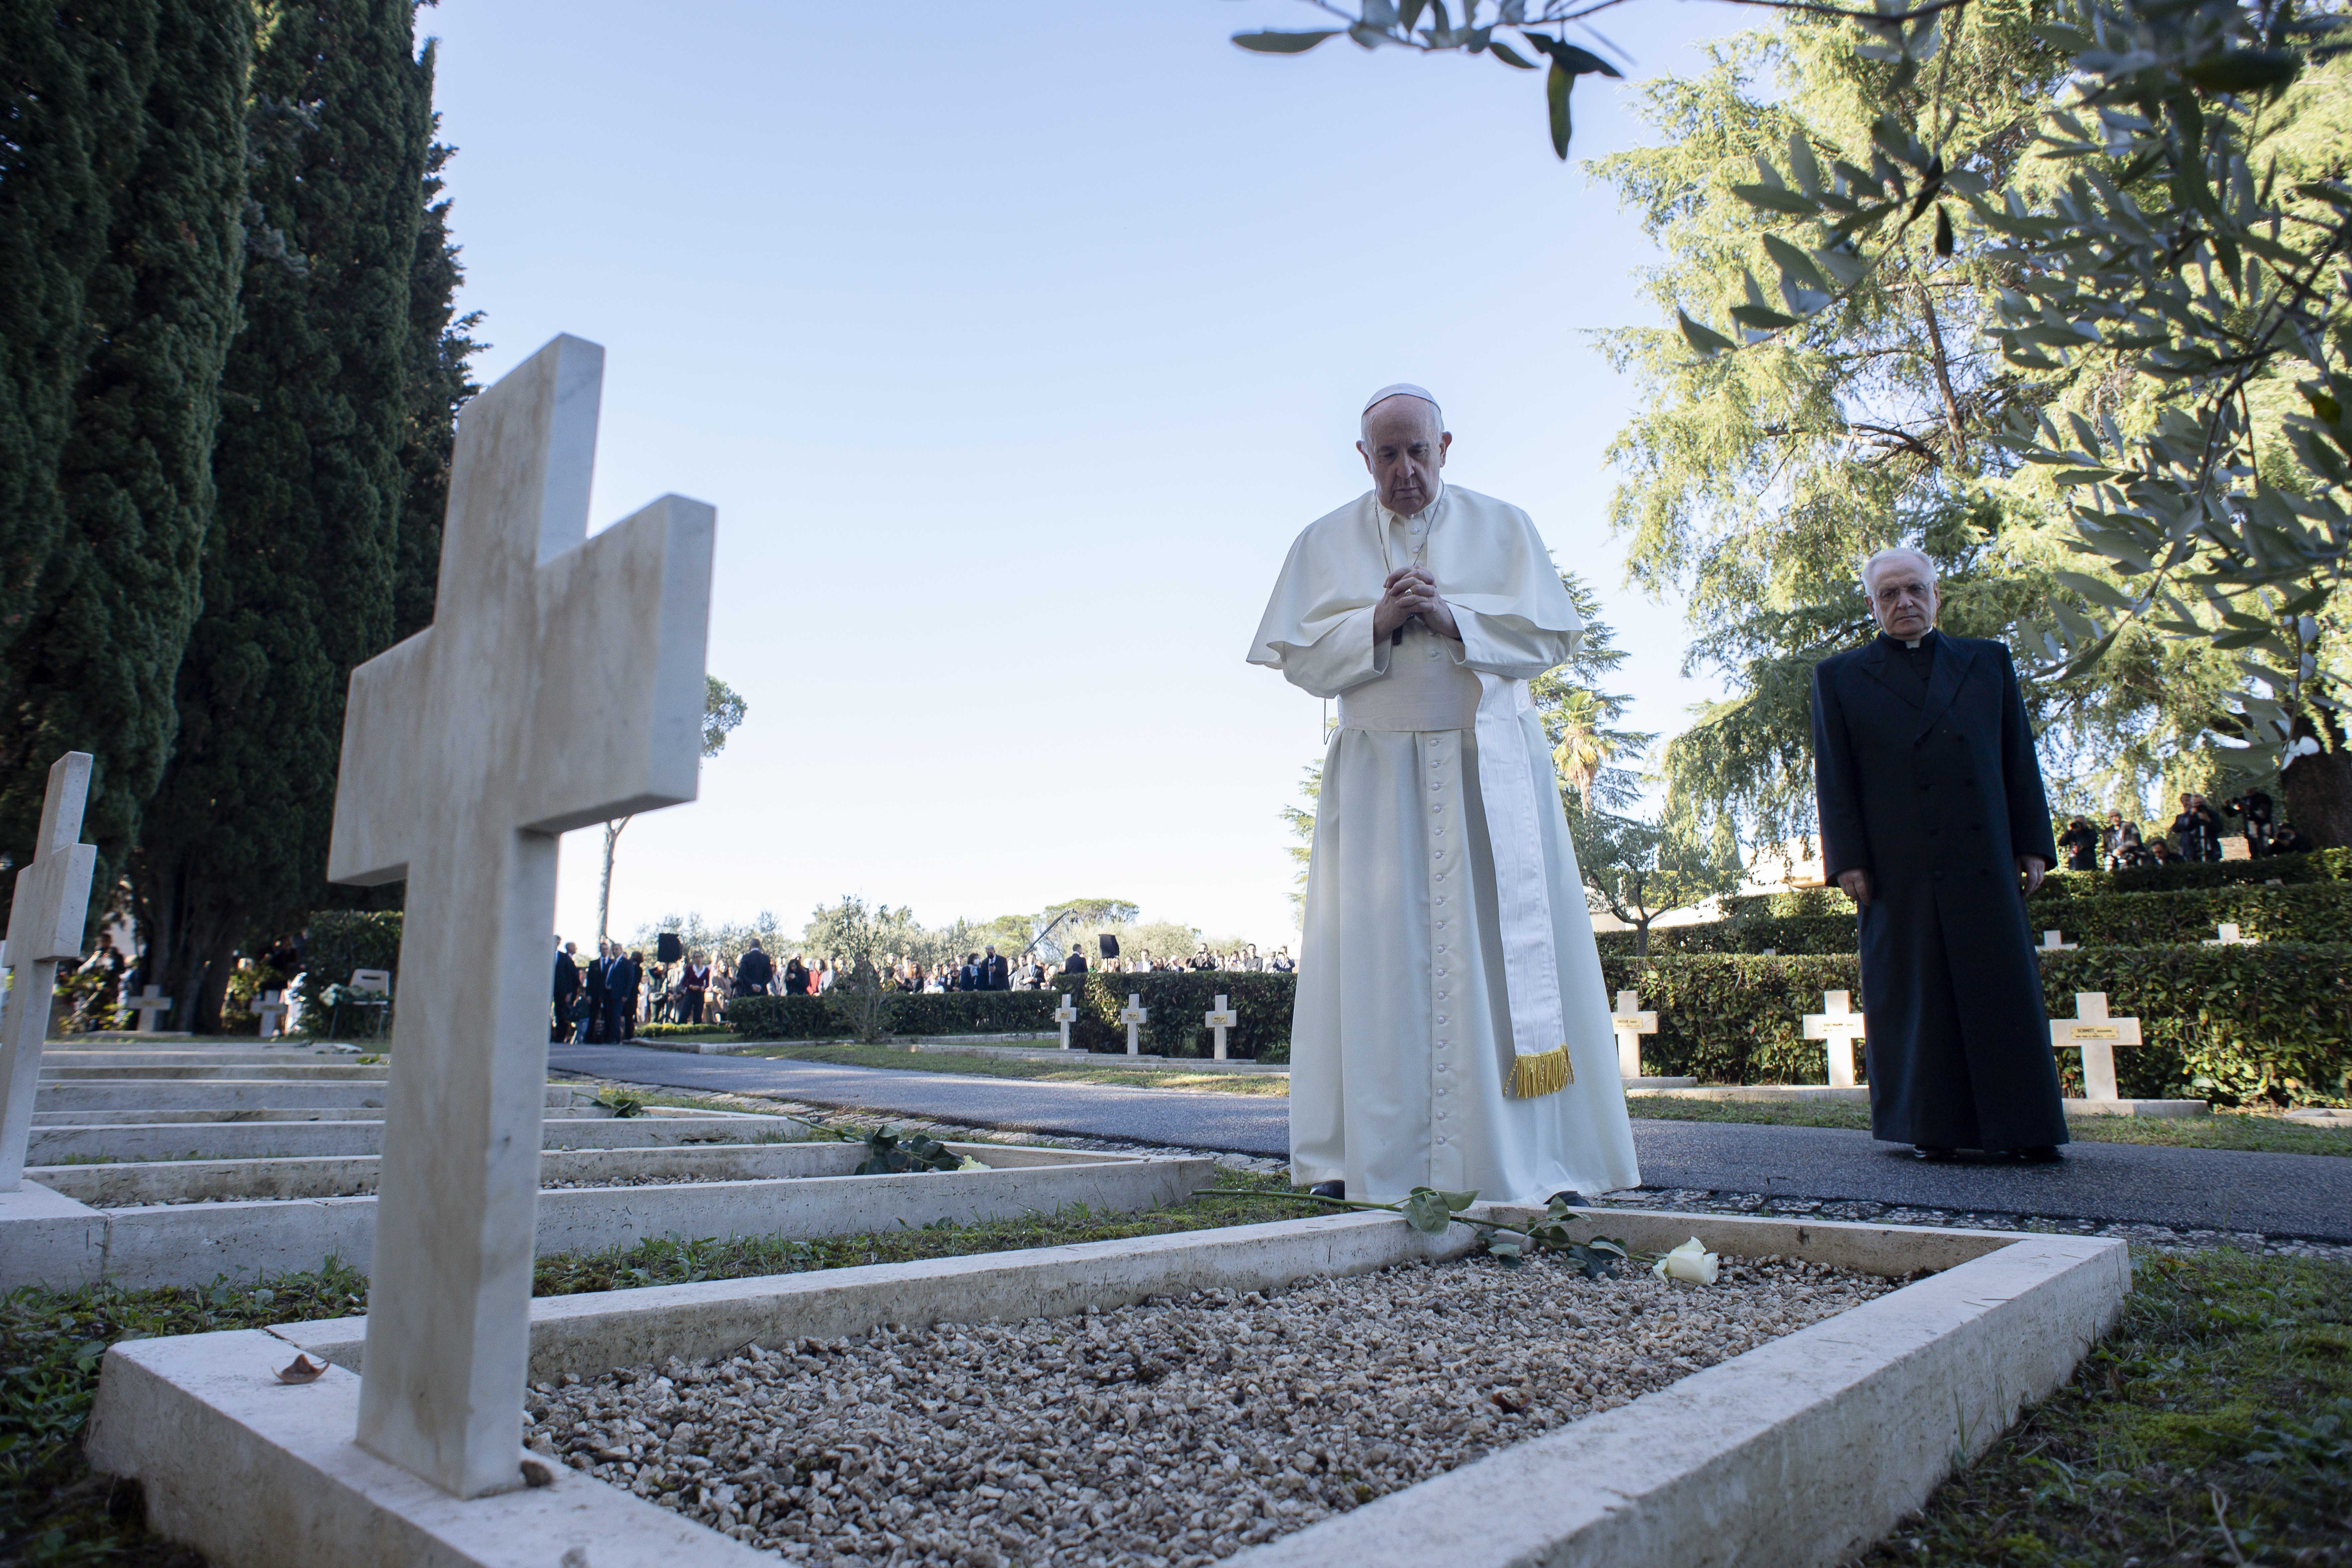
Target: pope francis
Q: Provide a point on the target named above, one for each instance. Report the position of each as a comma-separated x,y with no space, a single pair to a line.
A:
1451,1030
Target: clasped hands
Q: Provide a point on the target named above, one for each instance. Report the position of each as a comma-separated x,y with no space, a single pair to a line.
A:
2031,870
1411,591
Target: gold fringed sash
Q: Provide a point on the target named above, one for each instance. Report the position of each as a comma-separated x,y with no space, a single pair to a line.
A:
1537,1075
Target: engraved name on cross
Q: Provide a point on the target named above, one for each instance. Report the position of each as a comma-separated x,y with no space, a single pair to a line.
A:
1631,1024
45,916
2096,1035
559,684
1840,1025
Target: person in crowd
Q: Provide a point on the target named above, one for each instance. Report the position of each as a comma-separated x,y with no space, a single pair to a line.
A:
1932,813
628,979
2288,839
1076,964
1034,973
1282,963
2197,831
1140,961
1202,959
828,973
693,987
2118,840
2081,844
755,975
796,976
2252,807
2160,852
598,967
995,974
567,990
655,1003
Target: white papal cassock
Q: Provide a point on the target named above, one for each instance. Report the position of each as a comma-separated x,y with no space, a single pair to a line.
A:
1447,935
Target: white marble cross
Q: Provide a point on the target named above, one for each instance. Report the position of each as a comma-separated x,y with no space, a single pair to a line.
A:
1631,1024
1132,1016
1065,1016
50,907
2096,1035
147,1004
271,1008
2229,937
1223,1018
2049,942
560,684
1839,1024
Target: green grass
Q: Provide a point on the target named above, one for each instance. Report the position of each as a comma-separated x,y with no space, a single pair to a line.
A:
2214,1425
1086,1067
2254,1131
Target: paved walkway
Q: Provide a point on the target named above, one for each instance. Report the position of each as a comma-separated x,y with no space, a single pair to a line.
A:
2187,1189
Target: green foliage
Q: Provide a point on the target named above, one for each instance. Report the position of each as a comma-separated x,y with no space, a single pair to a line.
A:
1178,1000
440,384
337,941
121,177
866,1006
621,1104
889,1151
1637,869
299,563
722,711
913,1013
2270,1023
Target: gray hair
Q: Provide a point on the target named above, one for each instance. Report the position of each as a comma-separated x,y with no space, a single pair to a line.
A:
1897,553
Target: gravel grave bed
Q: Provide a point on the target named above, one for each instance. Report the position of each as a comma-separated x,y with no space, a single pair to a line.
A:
1171,1432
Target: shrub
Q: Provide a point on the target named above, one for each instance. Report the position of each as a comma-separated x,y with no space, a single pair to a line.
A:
335,943
1176,1000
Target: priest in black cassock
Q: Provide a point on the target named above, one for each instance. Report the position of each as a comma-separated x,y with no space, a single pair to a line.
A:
1932,819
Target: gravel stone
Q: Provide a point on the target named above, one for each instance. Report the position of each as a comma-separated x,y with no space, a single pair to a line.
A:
1174,1432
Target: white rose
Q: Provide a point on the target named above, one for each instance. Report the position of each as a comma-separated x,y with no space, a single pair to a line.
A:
1690,1262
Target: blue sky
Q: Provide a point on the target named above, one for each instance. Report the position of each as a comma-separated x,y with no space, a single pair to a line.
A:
1013,344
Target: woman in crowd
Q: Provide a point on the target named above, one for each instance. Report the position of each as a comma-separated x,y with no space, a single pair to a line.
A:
796,976
2081,844
693,986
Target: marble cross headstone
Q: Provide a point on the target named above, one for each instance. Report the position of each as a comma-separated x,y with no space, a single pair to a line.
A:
1065,1016
50,906
2228,937
560,684
147,1004
1840,1025
2049,942
2096,1035
1631,1024
271,1008
1220,1019
1132,1016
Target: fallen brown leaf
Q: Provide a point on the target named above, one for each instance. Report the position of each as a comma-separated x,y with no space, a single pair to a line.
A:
302,1369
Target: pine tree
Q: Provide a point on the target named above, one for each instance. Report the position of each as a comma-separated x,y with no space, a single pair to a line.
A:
103,621
300,562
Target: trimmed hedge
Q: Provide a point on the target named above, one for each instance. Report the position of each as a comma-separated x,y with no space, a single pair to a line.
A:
2266,1024
918,1012
1177,999
2319,866
335,943
2307,912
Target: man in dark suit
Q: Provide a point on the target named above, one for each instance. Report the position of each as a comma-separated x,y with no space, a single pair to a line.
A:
1076,963
755,973
628,978
995,974
567,991
600,969
1932,811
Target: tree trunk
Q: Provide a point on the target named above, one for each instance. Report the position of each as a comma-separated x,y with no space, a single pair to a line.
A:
1642,940
604,889
2318,786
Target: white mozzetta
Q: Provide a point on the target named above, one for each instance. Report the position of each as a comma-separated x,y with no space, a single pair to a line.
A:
559,684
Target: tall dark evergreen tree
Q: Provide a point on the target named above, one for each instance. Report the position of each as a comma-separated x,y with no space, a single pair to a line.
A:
301,561
439,383
116,515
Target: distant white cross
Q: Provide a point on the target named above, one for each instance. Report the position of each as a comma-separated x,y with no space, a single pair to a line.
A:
1223,1018
1839,1024
2229,938
1065,1016
271,1008
45,923
1133,1015
2050,943
147,1004
2096,1035
1631,1024
560,684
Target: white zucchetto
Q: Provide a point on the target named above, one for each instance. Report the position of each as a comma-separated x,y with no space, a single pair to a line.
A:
1403,389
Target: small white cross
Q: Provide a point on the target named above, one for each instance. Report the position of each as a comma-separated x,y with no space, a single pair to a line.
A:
2096,1035
1840,1025
44,922
1631,1024
147,1004
271,1008
1065,1016
2050,943
1132,1016
2229,938
1221,1019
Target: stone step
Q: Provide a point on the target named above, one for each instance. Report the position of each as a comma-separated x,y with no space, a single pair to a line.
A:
266,1140
306,1072
221,1094
151,1116
195,1051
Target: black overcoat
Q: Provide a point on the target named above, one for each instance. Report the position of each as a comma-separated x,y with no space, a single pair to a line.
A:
1936,791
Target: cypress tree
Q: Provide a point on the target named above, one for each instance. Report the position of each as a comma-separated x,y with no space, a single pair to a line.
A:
102,624
440,342
299,561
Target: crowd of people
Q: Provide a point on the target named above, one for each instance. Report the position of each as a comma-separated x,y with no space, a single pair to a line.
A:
2195,835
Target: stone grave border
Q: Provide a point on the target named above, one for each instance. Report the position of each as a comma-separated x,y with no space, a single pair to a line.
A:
1800,1452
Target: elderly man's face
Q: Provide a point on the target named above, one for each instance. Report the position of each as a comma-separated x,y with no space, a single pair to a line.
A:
1903,601
1404,448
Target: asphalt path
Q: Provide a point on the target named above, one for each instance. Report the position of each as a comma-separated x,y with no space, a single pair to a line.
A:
2305,1195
